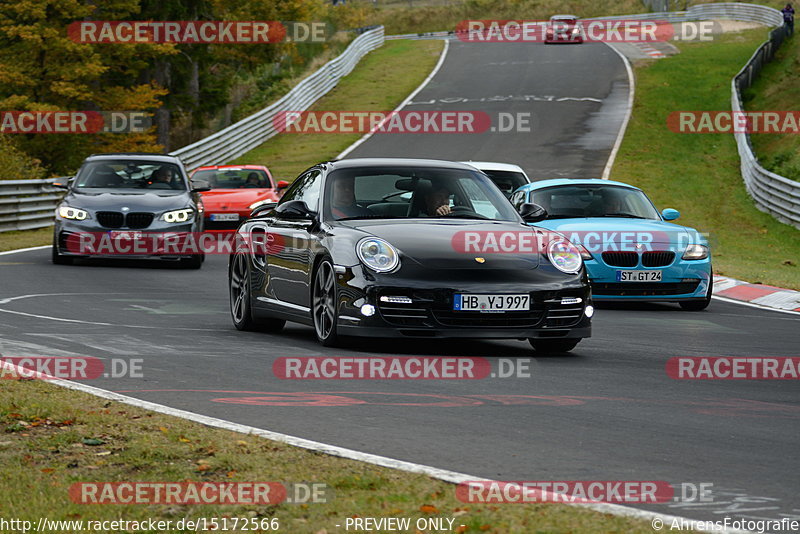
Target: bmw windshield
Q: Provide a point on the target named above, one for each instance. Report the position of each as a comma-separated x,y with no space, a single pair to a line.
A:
579,200
129,175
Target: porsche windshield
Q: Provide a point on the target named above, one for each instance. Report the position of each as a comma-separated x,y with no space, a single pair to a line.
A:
407,192
130,174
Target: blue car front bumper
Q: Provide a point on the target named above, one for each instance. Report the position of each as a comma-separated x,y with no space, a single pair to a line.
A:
681,280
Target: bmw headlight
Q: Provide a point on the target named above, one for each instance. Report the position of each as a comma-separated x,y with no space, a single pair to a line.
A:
178,216
565,256
377,254
695,252
67,212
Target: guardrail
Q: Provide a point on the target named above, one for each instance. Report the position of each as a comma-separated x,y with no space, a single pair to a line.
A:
248,133
777,195
27,204
727,11
30,204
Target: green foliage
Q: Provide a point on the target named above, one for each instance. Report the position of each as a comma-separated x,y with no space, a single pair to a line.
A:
15,164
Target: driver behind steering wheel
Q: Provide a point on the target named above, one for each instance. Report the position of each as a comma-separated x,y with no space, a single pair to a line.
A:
437,201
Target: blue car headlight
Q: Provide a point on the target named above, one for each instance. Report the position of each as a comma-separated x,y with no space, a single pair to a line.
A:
695,252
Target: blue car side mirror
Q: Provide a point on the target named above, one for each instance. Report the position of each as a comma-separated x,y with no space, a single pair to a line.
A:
670,214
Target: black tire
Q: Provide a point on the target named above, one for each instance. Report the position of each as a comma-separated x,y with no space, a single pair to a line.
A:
700,305
553,346
241,311
194,261
60,259
324,301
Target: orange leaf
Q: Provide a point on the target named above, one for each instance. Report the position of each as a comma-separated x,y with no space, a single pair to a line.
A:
428,509
461,529
48,470
163,429
484,527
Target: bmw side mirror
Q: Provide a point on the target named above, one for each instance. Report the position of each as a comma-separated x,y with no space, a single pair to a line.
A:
532,213
670,214
199,186
294,209
63,183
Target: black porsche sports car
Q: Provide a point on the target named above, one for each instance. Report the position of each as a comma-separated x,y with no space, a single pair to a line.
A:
405,247
128,197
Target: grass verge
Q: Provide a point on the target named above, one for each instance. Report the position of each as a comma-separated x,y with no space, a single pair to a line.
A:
383,79
25,238
53,437
778,89
699,174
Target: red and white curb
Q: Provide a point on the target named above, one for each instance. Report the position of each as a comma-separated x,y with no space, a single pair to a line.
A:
772,297
650,51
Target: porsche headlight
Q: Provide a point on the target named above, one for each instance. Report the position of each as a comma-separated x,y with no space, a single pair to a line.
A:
565,256
67,212
695,252
377,254
178,216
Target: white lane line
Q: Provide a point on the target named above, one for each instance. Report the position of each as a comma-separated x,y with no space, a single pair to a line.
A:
333,450
24,249
404,102
752,305
621,134
94,323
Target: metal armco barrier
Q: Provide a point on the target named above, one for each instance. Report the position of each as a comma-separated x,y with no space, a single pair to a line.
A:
775,194
248,133
27,204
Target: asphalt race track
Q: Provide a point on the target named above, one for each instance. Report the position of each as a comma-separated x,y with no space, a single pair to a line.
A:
575,97
607,412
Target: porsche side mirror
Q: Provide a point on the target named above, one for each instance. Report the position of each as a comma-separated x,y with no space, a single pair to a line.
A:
267,206
294,209
282,184
532,213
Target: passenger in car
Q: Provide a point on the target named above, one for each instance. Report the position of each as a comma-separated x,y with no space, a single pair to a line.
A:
343,199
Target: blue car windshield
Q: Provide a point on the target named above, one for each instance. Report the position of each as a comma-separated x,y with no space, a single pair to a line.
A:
589,200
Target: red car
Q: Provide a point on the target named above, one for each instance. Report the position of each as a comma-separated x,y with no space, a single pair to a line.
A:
563,29
236,190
